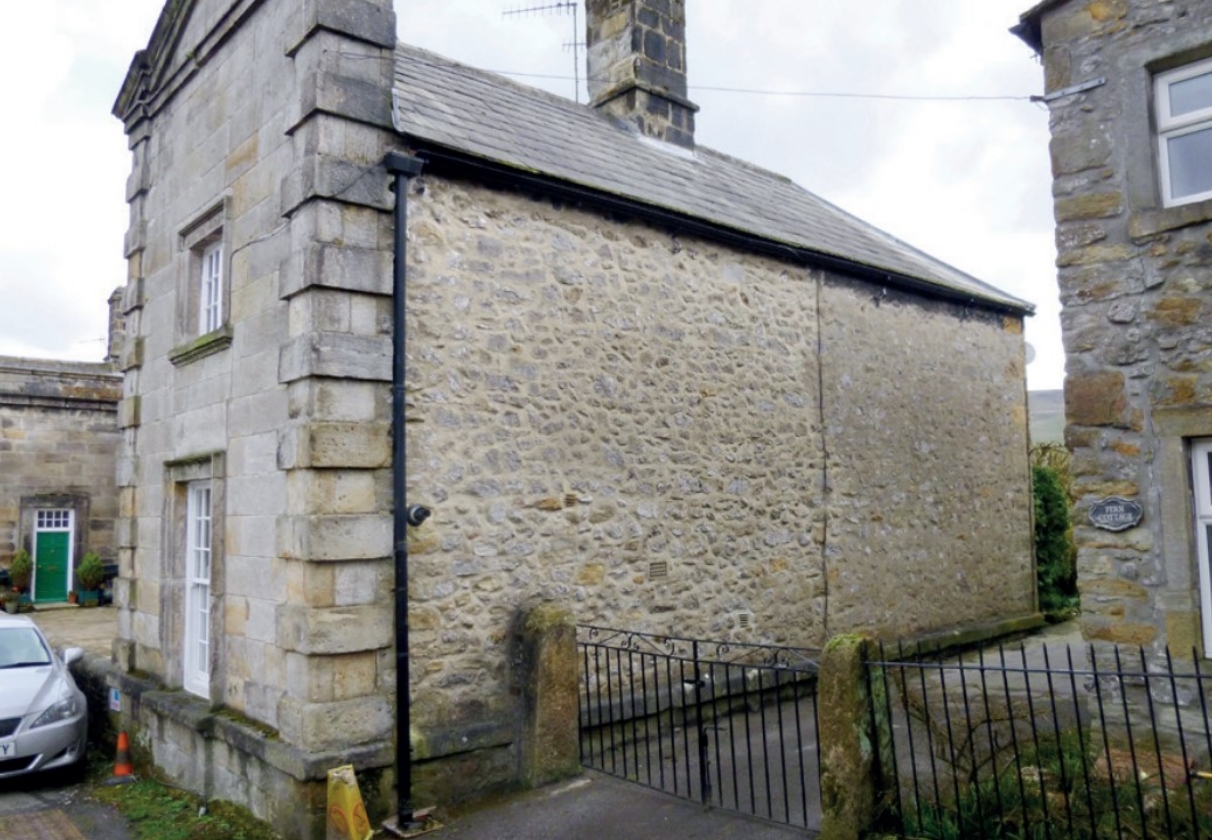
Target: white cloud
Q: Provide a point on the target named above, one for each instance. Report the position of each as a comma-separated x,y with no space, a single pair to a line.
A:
62,224
967,182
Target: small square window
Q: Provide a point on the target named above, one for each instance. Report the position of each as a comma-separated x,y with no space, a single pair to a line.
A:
1183,104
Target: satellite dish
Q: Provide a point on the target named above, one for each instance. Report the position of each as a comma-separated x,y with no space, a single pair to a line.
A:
1030,352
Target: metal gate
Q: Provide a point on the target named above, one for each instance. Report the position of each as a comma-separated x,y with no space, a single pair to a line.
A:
728,724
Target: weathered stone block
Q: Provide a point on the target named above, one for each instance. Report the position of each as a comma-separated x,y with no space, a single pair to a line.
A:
550,728
335,445
336,355
1088,206
334,537
1095,399
337,725
849,787
367,270
332,630
1086,149
1121,633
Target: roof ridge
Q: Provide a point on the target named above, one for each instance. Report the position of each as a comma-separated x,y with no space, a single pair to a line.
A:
484,115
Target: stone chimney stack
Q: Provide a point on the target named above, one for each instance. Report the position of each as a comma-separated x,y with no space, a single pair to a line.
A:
637,65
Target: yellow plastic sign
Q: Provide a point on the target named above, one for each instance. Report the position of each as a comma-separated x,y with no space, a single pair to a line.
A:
346,811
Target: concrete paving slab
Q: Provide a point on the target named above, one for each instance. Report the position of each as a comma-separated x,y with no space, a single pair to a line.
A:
92,628
42,825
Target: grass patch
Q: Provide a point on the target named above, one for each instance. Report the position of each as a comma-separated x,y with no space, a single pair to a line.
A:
157,812
1066,790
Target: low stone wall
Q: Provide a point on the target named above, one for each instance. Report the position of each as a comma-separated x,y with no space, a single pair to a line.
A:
221,755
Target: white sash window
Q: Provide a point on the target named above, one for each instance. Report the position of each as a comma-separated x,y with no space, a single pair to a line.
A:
1201,464
197,588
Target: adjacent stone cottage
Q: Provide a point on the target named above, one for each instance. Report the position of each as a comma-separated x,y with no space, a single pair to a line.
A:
58,445
1129,85
661,386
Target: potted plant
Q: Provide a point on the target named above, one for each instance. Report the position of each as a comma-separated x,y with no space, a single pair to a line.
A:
89,574
9,598
21,573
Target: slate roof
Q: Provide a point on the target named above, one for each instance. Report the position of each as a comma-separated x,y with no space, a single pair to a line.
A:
485,116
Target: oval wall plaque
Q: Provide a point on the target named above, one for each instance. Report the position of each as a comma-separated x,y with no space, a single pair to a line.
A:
1116,514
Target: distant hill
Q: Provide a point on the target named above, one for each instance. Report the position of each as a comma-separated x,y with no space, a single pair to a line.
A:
1046,412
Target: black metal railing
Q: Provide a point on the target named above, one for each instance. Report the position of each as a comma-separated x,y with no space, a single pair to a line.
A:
1045,743
728,724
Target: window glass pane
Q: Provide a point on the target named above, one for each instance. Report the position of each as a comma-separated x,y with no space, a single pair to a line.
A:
1190,158
1191,94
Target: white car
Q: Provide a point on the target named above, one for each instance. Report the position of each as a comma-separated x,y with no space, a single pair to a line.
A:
43,715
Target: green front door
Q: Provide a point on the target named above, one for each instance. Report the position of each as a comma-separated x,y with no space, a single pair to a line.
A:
51,566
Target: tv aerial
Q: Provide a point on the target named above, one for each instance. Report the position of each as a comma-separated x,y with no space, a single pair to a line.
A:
562,7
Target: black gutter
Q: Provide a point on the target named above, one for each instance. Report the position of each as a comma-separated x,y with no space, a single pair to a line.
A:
489,172
402,167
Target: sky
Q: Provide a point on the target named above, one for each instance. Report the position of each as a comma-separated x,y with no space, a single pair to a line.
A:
966,180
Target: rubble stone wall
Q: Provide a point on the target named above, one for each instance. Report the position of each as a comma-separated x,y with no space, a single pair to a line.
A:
1134,279
673,436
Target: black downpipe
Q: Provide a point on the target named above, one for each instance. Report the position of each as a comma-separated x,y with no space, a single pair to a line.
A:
403,168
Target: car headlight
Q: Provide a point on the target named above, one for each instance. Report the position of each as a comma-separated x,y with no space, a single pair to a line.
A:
63,710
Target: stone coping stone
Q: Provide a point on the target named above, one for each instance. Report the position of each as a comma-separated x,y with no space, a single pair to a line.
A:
454,740
967,636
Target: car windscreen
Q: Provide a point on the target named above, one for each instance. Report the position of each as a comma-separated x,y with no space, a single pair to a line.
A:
22,647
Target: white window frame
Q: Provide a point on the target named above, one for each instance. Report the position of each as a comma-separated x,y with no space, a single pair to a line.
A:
210,289
198,566
1201,454
1170,126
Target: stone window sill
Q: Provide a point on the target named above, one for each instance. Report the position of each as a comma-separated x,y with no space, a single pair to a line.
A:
202,346
1144,224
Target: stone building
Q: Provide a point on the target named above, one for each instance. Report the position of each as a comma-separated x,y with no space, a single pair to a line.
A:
58,446
644,379
1129,86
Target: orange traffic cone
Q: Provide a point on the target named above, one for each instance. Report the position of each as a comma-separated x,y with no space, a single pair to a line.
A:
123,770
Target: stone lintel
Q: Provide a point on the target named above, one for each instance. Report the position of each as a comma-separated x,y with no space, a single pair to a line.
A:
1145,224
1183,421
